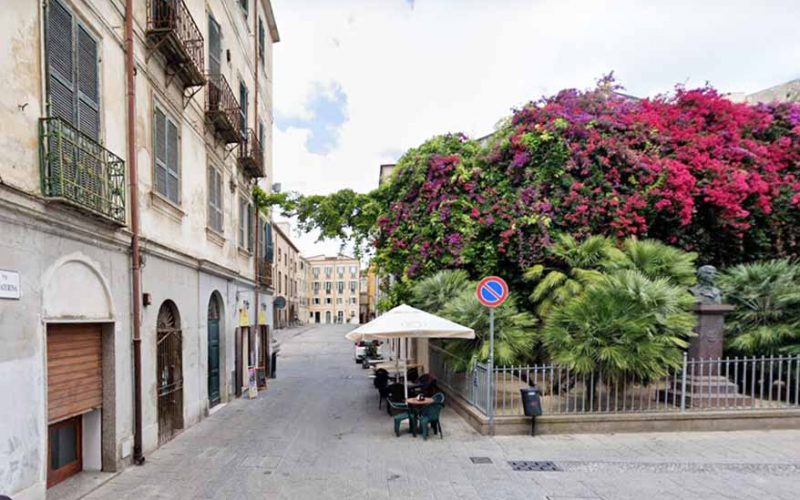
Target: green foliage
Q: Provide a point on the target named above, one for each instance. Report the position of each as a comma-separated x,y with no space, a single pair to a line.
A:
626,325
656,260
432,294
575,265
515,332
400,292
766,295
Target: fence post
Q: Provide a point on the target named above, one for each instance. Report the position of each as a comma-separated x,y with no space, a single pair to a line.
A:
683,383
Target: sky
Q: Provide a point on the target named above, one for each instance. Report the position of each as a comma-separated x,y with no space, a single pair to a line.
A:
358,82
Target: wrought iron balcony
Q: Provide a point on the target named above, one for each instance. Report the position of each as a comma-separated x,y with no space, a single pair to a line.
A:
222,109
77,170
251,157
265,273
172,30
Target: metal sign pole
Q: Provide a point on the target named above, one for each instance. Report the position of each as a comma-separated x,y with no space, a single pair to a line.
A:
490,375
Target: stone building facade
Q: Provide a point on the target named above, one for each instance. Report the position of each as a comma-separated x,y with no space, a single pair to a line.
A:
286,274
334,289
65,219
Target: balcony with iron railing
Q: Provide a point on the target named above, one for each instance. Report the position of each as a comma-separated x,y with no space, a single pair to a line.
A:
264,273
222,109
77,170
172,30
251,157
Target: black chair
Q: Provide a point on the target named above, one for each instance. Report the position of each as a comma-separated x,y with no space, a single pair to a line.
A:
412,374
381,382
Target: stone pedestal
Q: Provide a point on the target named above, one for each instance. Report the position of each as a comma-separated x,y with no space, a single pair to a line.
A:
710,334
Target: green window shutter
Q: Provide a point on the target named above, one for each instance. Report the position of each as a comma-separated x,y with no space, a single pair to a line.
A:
261,40
214,46
60,61
88,87
242,222
173,171
160,140
270,251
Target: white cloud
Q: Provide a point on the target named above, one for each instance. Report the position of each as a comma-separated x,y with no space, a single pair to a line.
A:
461,65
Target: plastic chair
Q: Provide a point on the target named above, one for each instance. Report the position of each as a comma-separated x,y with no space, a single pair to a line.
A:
438,397
429,416
403,414
395,393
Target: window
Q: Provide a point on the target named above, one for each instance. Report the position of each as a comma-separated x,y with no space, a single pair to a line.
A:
214,46
243,108
339,300
353,271
340,271
353,300
328,300
328,271
246,224
243,5
316,301
286,284
261,40
214,199
328,286
340,287
269,246
363,283
72,71
167,174
315,272
279,282
316,288
353,284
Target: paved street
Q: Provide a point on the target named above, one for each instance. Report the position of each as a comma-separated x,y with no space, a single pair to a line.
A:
318,433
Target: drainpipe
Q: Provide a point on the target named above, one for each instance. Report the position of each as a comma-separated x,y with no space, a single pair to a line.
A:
257,218
138,456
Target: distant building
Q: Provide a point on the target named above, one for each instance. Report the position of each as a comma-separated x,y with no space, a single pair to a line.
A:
785,92
304,291
334,289
286,275
368,297
385,172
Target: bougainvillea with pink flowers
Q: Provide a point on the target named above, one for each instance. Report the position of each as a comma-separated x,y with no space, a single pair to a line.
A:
691,168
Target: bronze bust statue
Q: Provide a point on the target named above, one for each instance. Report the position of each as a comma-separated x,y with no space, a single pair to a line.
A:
705,292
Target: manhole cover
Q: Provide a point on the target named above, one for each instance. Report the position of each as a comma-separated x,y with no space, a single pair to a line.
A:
481,460
527,465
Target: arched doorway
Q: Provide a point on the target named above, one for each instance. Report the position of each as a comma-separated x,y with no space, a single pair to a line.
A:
327,317
214,313
169,371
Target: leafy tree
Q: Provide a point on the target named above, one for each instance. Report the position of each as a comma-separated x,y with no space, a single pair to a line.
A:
432,294
515,332
766,295
575,265
626,325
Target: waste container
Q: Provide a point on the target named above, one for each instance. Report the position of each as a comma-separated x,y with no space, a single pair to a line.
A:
273,365
532,405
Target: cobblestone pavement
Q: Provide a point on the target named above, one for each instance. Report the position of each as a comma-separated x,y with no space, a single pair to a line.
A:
317,433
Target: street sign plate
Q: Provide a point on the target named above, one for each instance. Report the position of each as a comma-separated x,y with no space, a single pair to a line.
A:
492,291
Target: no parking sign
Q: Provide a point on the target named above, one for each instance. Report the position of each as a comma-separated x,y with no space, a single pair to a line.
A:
492,291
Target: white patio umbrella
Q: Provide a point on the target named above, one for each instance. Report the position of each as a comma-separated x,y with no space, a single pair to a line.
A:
404,322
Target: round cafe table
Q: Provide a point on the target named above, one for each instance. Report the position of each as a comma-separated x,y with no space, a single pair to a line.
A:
414,407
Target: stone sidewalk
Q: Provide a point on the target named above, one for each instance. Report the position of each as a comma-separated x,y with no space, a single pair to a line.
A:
317,433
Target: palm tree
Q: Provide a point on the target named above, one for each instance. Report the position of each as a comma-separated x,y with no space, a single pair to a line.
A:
624,326
575,266
433,293
655,260
766,320
515,335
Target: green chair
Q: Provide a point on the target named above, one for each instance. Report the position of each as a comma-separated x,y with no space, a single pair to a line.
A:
429,416
438,397
404,414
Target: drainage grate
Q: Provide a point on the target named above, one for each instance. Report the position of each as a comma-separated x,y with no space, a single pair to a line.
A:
527,465
481,460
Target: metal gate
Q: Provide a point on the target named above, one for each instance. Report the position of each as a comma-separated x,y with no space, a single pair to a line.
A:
169,372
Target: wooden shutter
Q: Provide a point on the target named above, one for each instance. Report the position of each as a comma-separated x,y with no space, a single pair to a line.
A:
74,370
243,108
88,88
215,199
214,46
160,151
269,253
60,62
173,172
261,40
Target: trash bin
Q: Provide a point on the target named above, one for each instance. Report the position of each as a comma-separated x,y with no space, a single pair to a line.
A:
532,405
273,365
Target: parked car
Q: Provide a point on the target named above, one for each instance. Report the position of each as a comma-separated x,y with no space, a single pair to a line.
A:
366,350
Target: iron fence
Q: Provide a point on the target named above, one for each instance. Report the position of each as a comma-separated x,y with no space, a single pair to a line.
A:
723,384
79,170
172,28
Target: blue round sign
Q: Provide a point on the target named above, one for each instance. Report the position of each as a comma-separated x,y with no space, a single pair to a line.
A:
492,291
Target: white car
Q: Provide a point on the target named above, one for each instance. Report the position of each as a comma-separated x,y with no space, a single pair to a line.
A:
361,349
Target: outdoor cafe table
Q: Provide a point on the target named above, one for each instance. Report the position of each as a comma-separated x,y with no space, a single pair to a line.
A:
414,407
